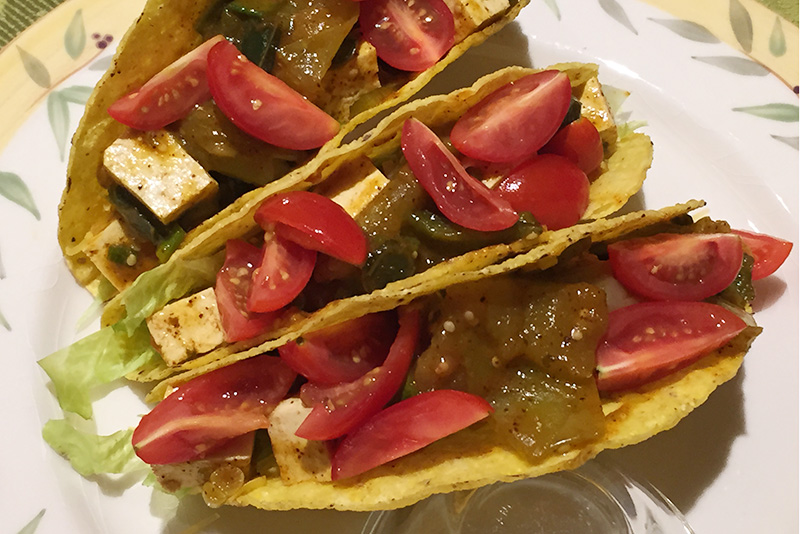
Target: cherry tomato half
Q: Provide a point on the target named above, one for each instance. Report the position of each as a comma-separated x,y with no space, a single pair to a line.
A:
460,197
516,120
170,94
677,266
232,288
650,340
283,272
406,427
768,252
552,188
210,409
317,223
410,35
338,409
578,141
342,352
262,105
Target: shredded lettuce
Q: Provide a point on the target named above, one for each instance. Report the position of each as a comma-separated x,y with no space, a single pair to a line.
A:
97,359
114,351
91,454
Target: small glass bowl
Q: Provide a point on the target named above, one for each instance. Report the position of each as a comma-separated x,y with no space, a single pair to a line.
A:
596,498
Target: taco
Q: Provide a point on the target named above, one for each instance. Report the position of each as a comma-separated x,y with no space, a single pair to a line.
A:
525,367
410,240
135,190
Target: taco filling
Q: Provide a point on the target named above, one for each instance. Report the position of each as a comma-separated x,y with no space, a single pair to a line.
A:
534,370
407,209
273,81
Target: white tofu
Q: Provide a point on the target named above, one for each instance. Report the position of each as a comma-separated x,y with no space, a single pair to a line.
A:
354,186
471,14
121,275
298,459
238,453
187,327
156,170
595,107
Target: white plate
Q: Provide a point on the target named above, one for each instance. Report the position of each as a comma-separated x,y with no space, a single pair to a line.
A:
732,466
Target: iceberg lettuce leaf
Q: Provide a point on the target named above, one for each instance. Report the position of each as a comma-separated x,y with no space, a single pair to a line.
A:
89,453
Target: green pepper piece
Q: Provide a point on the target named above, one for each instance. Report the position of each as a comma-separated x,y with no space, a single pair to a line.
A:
741,293
392,260
122,255
438,230
137,215
167,246
573,112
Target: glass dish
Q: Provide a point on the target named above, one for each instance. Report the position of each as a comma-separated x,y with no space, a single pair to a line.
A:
595,498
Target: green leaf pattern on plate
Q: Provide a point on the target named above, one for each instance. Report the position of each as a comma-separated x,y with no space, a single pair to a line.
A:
737,65
58,114
4,323
554,8
793,142
777,40
742,25
688,30
58,111
13,188
616,11
776,112
35,68
75,36
31,527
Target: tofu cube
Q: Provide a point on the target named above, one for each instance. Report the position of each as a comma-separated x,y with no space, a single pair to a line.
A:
595,108
121,275
354,186
237,453
298,459
187,327
156,170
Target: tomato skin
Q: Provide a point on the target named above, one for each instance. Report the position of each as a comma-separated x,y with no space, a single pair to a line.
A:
410,36
317,223
578,141
262,105
677,266
769,252
205,412
284,270
170,94
551,187
342,352
353,402
231,291
460,197
649,340
516,120
406,427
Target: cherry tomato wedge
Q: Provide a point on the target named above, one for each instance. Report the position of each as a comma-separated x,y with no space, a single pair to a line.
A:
317,223
170,94
516,120
578,141
768,252
460,197
338,409
342,352
408,35
406,427
283,272
231,290
262,105
552,188
210,409
677,266
649,340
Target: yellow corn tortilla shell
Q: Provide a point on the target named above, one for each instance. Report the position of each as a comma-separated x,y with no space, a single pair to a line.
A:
452,464
466,268
163,33
622,177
